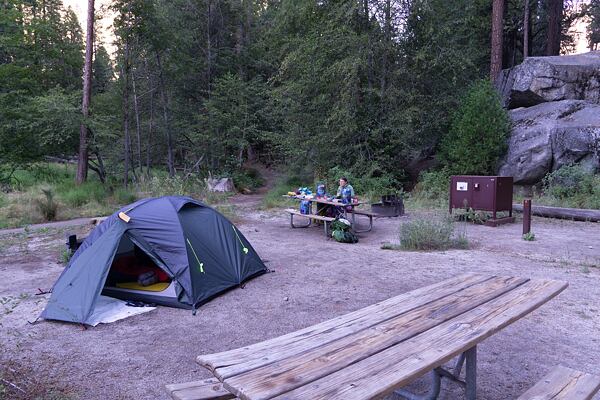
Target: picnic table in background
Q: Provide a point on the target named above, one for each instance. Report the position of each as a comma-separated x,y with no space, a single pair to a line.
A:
378,349
335,203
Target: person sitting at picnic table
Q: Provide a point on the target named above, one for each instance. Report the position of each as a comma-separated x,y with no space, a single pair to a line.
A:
344,185
334,211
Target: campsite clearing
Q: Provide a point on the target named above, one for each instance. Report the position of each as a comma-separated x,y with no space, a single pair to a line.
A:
136,357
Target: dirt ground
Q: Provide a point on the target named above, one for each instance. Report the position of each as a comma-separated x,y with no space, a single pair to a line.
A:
313,279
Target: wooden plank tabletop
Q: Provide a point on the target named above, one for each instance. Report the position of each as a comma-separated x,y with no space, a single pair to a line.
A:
323,200
375,350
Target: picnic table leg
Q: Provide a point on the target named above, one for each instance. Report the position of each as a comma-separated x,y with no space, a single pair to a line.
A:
470,382
471,373
434,390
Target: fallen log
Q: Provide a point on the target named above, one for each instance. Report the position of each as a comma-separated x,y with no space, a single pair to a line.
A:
575,214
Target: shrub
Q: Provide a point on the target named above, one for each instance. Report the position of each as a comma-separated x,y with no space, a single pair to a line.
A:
79,195
164,186
435,232
478,132
568,181
529,236
47,206
431,191
433,185
124,196
274,197
247,178
371,185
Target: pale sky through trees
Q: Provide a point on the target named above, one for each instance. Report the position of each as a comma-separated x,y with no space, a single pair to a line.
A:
80,8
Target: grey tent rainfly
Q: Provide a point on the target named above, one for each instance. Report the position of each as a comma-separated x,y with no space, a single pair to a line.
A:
199,252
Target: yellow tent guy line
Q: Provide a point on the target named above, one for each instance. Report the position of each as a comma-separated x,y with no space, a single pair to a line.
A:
201,265
244,248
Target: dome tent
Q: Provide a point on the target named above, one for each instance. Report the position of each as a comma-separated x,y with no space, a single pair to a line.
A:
199,249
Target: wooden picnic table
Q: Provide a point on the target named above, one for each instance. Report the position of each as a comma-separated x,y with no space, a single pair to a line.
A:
323,200
376,350
334,202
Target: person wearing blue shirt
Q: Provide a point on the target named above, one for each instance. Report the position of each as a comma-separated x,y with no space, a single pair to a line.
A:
344,185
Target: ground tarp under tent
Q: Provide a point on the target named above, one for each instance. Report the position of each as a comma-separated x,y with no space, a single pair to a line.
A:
172,251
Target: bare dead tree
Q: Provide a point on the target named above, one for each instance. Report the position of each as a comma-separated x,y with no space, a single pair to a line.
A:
555,12
497,33
526,30
82,161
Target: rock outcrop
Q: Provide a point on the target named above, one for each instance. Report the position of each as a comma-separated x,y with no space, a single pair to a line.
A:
549,135
542,79
554,105
220,185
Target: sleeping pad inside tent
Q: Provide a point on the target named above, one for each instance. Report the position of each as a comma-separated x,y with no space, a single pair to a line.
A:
172,251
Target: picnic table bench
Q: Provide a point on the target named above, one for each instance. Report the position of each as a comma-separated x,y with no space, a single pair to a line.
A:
353,211
377,350
310,217
564,383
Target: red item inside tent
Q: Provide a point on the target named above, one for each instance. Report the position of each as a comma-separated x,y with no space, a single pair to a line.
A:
134,267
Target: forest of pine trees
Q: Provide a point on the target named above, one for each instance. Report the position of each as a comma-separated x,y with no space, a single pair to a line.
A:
368,86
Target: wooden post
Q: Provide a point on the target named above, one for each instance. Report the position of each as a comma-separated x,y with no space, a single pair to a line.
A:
526,216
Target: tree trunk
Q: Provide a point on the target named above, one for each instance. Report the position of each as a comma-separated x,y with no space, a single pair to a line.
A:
98,168
149,143
163,94
555,8
137,123
387,34
125,72
208,47
82,161
497,33
526,30
369,47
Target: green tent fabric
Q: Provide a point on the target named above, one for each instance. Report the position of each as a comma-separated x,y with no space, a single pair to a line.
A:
203,253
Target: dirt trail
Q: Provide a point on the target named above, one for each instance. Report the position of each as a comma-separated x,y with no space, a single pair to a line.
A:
253,201
314,279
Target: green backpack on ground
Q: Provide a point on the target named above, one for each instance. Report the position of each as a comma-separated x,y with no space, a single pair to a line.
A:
340,231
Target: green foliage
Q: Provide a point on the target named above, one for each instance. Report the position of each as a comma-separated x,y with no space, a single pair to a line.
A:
65,256
370,186
475,216
365,87
529,237
274,197
79,195
568,181
435,232
478,135
573,186
47,206
41,64
247,179
124,196
164,186
432,185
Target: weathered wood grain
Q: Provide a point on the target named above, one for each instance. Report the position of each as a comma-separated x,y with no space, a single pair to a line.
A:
292,343
564,383
207,389
271,379
398,365
311,216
